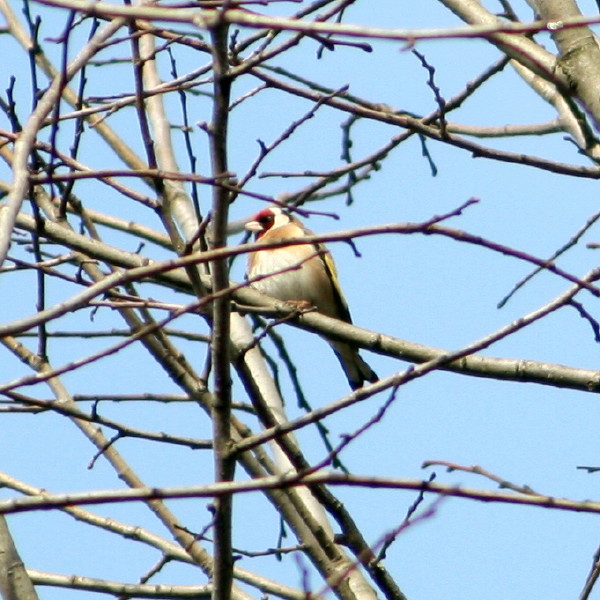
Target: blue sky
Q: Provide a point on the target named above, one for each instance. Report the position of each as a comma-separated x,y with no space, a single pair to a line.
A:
425,289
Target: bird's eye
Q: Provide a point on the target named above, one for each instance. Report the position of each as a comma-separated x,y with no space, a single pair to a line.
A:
264,220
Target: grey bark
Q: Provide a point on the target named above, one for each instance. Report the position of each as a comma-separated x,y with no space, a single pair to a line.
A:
14,580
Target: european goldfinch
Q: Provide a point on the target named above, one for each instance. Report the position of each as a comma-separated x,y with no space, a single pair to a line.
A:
311,280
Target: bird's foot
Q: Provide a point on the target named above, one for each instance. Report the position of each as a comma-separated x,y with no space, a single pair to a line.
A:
301,306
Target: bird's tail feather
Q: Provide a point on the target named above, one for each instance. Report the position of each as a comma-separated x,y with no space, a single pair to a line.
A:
356,369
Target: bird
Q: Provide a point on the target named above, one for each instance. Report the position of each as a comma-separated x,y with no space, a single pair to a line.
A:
311,280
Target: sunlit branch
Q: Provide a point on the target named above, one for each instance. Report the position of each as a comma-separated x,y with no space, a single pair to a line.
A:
139,534
123,430
104,586
53,501
27,138
209,19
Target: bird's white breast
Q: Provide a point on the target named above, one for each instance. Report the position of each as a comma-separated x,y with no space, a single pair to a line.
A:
297,283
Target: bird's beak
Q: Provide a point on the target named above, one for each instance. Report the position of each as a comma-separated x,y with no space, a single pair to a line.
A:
253,226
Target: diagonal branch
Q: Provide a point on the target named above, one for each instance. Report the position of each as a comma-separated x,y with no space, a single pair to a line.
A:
15,583
26,140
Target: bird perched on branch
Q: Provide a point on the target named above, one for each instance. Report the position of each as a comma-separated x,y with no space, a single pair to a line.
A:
310,280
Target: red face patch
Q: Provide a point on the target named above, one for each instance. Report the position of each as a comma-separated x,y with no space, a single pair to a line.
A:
266,218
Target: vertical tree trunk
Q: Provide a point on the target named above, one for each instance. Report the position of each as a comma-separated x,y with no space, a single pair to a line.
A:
14,581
